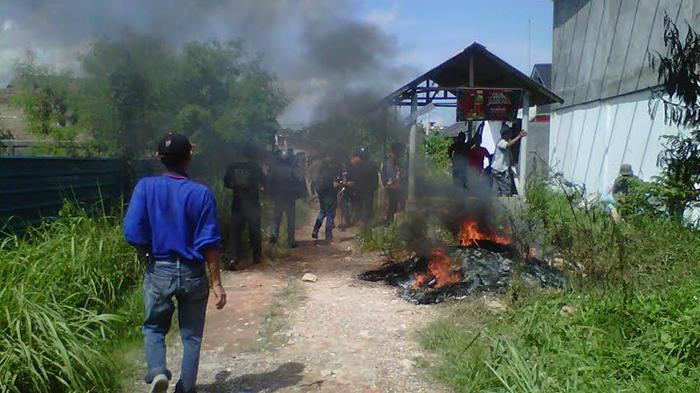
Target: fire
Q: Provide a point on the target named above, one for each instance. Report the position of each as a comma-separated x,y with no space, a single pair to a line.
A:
471,234
440,269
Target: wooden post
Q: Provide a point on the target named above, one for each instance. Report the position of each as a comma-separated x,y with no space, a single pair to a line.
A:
470,124
523,144
412,153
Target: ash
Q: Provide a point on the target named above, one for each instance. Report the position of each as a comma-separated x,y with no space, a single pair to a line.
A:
482,270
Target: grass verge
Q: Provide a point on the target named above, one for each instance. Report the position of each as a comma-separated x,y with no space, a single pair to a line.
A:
627,324
67,301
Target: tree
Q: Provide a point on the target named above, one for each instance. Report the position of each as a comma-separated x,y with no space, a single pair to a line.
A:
48,103
135,89
679,74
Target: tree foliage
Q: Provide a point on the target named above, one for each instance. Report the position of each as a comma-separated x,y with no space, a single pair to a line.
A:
133,90
48,102
679,73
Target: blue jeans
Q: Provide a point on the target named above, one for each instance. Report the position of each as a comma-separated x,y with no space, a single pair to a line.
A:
503,182
188,283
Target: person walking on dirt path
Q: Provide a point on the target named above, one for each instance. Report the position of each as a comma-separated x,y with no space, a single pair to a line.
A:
246,178
500,167
391,181
284,189
327,180
171,220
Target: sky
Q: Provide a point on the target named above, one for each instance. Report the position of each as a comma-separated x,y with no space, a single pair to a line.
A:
394,40
430,32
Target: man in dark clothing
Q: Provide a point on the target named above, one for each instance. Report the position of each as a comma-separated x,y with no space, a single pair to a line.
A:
325,184
391,181
245,177
363,175
284,188
458,152
624,180
171,221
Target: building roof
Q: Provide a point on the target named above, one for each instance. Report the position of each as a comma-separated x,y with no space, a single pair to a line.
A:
542,73
489,71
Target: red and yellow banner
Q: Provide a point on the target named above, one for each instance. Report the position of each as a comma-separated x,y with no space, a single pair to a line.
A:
488,104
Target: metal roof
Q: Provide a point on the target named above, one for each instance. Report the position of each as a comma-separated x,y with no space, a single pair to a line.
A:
489,71
542,73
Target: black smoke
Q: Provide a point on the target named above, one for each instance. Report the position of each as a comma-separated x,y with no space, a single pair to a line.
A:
316,47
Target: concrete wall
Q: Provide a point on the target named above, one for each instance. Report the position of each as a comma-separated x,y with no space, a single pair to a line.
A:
600,68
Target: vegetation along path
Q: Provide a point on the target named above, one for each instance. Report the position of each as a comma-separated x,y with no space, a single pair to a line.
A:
338,334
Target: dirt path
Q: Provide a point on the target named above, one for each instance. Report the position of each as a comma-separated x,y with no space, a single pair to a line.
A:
339,334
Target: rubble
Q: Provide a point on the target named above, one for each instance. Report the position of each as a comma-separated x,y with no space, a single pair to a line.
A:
308,277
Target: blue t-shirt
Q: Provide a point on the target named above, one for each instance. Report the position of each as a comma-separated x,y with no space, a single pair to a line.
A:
172,216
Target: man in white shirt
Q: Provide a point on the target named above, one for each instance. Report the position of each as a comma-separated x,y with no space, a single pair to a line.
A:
500,168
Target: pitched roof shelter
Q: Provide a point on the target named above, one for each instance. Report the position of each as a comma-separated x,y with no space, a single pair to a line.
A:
474,67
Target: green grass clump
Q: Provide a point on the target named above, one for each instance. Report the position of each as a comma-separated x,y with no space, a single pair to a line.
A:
67,297
651,345
381,238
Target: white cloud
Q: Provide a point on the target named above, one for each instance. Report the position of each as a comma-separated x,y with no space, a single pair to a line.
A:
383,17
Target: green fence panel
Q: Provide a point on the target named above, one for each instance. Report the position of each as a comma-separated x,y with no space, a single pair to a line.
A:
34,188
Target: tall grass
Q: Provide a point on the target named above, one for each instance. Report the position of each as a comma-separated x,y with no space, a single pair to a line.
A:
67,294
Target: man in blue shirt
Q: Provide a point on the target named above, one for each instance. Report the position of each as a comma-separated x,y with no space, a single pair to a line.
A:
171,221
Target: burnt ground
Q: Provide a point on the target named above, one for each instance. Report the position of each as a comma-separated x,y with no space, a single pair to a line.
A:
339,334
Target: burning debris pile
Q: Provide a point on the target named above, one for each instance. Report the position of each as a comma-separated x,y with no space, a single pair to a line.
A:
484,261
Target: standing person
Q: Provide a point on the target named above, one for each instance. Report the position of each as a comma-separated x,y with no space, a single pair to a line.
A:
283,189
500,167
171,221
391,181
458,153
346,195
325,184
476,156
364,176
245,178
624,180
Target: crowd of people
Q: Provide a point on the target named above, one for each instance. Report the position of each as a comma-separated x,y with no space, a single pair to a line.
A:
469,157
172,222
285,177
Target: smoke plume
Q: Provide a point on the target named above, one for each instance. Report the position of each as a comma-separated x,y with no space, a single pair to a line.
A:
317,48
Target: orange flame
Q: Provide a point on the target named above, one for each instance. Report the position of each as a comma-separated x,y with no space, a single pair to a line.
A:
471,234
440,267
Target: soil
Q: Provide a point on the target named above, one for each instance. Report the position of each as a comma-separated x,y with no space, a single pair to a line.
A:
339,334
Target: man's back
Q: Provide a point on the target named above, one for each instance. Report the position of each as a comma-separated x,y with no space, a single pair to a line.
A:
245,179
173,216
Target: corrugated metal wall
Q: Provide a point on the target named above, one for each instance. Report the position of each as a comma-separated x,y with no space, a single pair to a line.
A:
600,68
34,188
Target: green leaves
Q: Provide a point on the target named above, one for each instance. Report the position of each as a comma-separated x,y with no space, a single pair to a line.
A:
134,90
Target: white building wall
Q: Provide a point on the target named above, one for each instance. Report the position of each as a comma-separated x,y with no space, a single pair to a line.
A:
589,142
